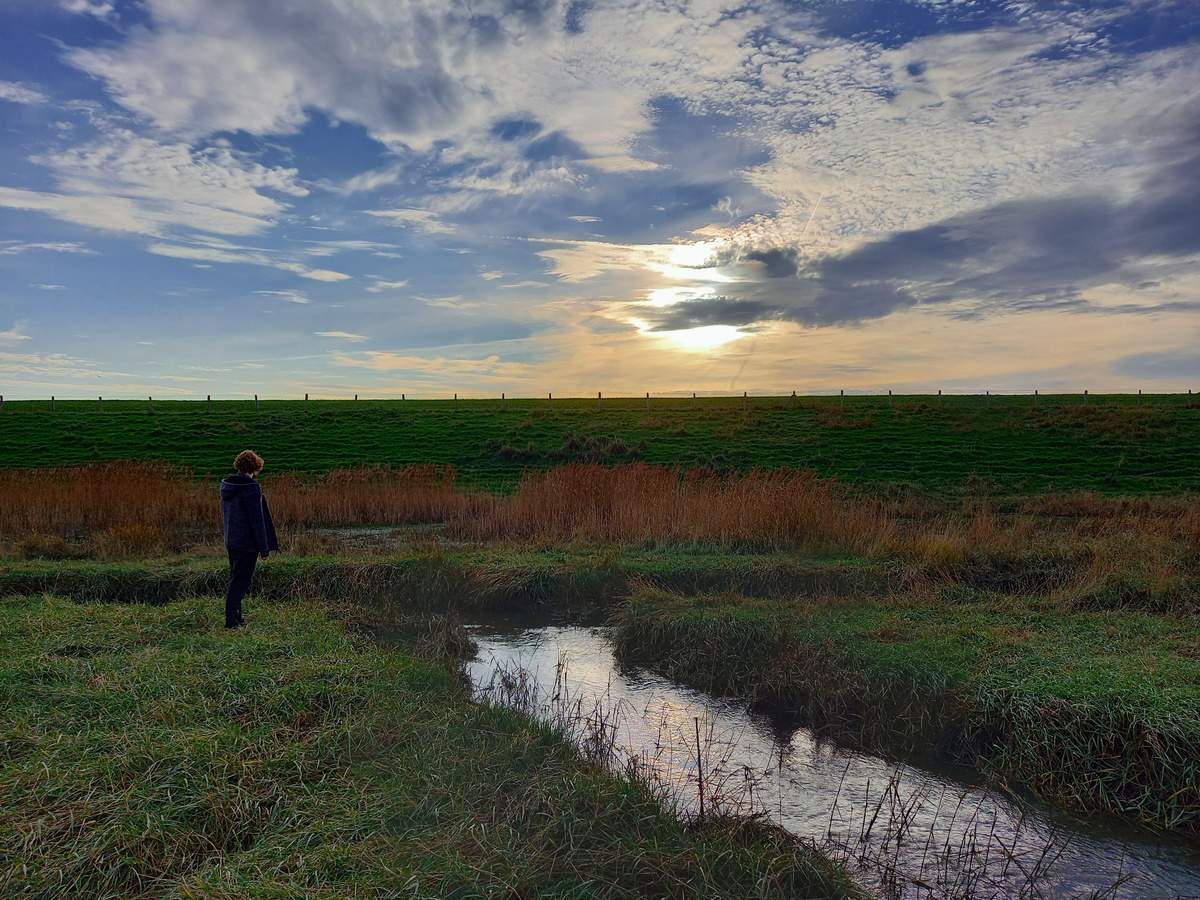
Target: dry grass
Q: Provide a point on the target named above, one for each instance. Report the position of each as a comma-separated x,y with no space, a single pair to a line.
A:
1098,550
643,503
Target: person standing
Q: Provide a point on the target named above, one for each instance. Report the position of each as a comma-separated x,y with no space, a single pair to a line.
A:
249,531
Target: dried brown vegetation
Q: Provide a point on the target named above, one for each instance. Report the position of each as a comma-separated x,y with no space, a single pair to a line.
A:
1102,551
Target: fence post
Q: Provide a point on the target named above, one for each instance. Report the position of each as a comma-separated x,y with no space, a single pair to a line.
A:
101,399
987,402
939,395
743,401
151,406
551,396
1,403
306,402
599,401
502,401
1189,398
1139,403
793,399
256,402
889,399
1035,396
1085,398
52,404
456,402
648,399
403,402
693,399
356,401
842,400
209,410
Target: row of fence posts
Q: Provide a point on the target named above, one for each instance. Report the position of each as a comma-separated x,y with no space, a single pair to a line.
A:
793,400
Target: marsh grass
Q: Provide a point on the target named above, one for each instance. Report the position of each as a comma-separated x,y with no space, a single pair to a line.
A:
1089,551
147,752
1098,711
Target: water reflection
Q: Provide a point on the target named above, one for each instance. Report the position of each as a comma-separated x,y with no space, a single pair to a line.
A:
908,832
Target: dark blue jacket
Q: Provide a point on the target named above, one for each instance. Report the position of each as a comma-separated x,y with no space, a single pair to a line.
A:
248,525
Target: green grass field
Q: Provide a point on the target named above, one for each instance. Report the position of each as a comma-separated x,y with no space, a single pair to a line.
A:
1005,445
147,752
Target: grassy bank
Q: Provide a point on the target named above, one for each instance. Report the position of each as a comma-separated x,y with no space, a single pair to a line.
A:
1096,710
434,581
147,752
1009,445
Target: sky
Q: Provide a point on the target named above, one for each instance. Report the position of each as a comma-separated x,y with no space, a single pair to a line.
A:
376,197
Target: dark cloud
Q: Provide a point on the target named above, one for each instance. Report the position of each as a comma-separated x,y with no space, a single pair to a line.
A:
779,262
1176,364
576,10
709,311
516,129
1019,256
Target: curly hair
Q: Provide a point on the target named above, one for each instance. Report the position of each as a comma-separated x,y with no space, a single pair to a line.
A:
248,462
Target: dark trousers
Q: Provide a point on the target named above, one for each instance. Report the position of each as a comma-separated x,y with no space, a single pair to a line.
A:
241,570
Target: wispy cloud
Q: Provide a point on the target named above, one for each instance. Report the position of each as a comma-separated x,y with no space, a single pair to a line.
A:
289,296
17,333
420,219
345,335
381,286
225,253
11,248
15,92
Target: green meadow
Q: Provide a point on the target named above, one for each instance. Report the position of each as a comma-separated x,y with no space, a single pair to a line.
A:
1119,444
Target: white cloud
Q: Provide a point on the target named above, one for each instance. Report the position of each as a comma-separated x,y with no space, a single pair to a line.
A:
17,333
489,368
101,9
16,92
127,183
289,296
319,274
50,287
11,248
455,302
491,276
223,252
355,338
421,219
381,286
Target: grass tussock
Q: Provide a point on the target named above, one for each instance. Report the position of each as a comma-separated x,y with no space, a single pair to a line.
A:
146,752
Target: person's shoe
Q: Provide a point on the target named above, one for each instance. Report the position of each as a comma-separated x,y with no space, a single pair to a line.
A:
240,623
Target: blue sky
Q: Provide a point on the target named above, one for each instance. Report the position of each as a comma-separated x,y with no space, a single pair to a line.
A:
232,197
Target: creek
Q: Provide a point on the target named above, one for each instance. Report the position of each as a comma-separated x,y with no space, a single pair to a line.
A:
908,831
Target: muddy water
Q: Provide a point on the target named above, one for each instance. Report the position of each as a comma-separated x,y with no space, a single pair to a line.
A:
908,832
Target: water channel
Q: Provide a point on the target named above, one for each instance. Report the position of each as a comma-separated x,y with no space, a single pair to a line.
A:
908,832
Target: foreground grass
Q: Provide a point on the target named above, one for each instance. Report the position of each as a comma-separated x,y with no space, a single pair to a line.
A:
147,752
1097,710
1008,445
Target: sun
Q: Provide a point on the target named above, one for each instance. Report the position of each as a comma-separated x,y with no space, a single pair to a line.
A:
703,338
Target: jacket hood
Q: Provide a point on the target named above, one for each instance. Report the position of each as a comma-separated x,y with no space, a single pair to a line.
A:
235,484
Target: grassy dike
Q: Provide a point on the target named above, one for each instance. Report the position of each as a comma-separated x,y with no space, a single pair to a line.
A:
145,751
1096,710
